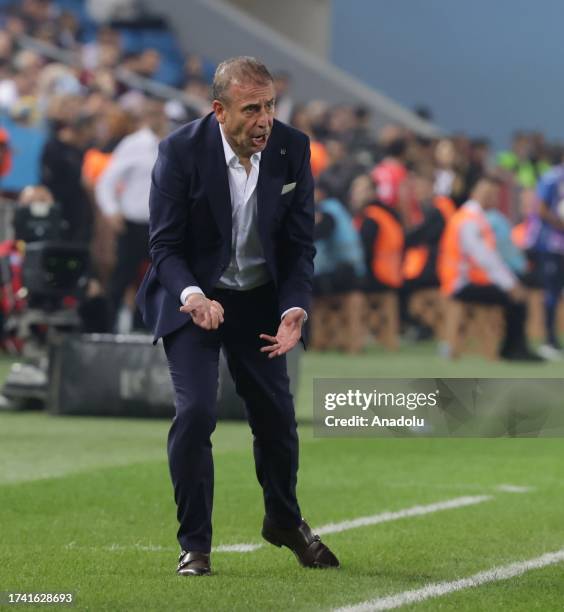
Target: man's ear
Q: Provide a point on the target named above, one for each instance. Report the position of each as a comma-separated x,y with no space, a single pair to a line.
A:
219,110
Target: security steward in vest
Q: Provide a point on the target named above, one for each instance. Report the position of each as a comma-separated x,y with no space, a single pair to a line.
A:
471,269
382,238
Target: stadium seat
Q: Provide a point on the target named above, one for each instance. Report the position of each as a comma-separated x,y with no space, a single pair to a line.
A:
472,328
427,306
338,322
383,318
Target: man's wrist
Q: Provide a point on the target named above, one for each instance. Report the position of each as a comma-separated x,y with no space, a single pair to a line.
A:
188,291
294,308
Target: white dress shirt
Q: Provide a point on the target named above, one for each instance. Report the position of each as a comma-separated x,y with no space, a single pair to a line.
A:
247,267
125,184
488,259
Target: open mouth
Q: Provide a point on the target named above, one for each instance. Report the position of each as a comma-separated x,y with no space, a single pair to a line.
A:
259,141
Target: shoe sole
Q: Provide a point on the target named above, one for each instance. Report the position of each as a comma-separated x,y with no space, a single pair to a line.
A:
192,573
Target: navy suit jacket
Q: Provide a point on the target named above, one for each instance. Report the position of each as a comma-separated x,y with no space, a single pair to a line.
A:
190,220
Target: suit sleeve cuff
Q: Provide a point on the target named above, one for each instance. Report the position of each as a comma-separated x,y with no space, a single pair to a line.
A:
189,291
294,308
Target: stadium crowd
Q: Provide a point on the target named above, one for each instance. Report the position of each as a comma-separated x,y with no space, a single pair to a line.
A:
394,211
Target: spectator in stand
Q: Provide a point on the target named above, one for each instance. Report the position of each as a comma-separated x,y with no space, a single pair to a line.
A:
449,178
107,43
113,125
318,112
6,53
34,14
390,173
341,121
199,88
362,141
319,159
341,169
546,238
68,31
284,101
193,68
388,133
122,193
144,64
522,160
18,89
148,63
338,264
61,170
528,204
419,268
512,255
362,193
58,81
478,163
381,234
12,21
472,270
420,152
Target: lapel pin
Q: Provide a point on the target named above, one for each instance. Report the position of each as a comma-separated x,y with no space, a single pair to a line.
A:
282,151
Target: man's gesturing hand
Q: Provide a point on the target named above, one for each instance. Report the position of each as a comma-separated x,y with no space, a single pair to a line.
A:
289,332
207,314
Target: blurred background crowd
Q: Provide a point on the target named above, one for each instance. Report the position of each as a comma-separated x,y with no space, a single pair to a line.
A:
84,103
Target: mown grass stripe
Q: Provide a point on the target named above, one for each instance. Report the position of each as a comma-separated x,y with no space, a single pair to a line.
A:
439,589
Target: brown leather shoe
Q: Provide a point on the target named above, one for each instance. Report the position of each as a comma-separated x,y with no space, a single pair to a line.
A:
193,564
308,547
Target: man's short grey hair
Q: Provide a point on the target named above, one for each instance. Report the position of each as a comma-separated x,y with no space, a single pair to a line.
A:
242,69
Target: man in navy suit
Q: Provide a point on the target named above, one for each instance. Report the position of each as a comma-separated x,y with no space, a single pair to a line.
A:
231,243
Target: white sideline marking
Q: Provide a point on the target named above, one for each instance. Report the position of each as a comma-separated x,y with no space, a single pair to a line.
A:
506,488
136,546
384,517
444,588
242,548
375,519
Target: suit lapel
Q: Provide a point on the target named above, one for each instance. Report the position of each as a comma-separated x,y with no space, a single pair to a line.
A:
214,174
272,174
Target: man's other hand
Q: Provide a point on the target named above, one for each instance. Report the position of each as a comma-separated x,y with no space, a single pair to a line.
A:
207,314
289,332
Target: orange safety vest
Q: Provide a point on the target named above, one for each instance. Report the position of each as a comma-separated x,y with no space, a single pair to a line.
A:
415,258
94,164
452,259
519,235
388,246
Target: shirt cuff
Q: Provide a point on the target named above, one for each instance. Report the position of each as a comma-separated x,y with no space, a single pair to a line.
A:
189,291
294,308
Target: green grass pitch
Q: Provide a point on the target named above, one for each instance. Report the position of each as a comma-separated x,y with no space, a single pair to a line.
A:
86,507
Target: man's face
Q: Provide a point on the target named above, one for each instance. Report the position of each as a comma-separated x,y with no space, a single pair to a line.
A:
247,117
